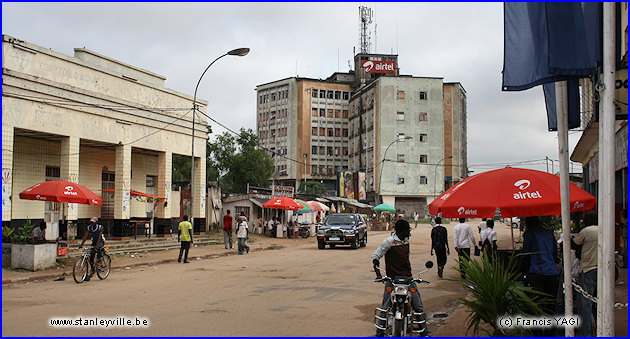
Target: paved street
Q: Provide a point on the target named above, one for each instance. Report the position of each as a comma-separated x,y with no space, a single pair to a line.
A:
293,291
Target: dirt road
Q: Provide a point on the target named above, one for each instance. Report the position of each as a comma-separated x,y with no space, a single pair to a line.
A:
292,290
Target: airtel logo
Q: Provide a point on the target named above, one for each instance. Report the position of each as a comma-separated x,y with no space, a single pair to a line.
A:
522,184
39,197
578,205
369,65
464,211
445,196
70,191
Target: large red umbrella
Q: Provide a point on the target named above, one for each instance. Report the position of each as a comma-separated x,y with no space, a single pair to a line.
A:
516,191
283,203
61,191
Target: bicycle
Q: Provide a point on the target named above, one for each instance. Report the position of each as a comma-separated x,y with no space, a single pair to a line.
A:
82,265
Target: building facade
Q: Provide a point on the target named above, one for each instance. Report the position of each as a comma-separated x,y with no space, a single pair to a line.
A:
406,133
89,119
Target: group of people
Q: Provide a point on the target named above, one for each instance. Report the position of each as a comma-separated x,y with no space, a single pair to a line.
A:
242,232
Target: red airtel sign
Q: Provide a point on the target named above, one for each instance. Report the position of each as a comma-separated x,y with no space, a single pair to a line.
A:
372,66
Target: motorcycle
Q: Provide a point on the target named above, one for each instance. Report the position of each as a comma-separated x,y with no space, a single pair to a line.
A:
400,319
304,231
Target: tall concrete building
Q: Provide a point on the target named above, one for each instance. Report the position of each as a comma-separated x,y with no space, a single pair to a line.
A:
406,133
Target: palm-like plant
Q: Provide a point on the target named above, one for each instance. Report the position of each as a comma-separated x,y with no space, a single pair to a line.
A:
494,293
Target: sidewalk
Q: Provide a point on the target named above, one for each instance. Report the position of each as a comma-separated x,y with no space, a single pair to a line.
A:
143,258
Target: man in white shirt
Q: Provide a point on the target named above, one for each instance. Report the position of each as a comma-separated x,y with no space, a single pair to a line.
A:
462,237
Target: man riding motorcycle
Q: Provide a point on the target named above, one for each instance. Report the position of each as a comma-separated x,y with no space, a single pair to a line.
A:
395,248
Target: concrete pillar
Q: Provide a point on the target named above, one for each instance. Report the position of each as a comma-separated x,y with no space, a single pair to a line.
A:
7,170
165,164
69,169
122,185
199,191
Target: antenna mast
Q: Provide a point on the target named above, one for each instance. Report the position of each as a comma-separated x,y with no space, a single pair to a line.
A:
366,19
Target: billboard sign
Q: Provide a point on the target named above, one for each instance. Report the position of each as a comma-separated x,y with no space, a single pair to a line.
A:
373,66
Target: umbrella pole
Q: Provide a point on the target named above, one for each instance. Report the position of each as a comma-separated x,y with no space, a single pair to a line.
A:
512,232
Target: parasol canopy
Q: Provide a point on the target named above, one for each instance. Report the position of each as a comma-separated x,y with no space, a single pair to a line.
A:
282,203
385,208
516,191
61,191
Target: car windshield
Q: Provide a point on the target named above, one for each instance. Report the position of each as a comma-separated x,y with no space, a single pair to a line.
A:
339,220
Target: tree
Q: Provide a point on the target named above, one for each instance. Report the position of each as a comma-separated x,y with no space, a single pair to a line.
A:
312,187
236,161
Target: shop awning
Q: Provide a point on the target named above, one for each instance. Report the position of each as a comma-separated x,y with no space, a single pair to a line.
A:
137,193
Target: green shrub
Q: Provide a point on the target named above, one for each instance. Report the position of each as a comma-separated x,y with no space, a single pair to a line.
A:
23,235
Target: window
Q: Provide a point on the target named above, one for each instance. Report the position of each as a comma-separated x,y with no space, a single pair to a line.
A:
400,116
345,113
400,94
314,112
330,94
330,132
423,95
337,132
273,133
423,158
273,115
423,116
401,180
329,150
345,150
337,113
346,96
330,113
313,169
345,132
322,112
314,150
314,92
423,138
322,131
322,150
337,151
400,158
322,94
273,96
337,95
423,180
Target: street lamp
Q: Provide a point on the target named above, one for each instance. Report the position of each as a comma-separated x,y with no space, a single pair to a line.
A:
237,52
435,176
398,139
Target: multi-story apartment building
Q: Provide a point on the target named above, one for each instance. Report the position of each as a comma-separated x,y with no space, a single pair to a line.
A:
407,133
303,123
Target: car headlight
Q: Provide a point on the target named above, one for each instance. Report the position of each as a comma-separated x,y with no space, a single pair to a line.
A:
348,232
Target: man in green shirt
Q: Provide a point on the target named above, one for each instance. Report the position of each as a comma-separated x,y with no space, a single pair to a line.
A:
185,236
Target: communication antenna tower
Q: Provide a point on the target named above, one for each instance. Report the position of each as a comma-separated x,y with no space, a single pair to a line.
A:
366,19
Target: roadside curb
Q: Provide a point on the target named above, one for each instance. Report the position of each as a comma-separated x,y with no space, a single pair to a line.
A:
121,267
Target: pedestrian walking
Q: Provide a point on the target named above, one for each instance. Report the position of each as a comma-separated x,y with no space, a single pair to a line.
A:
271,226
463,237
415,219
227,230
541,249
242,231
488,240
439,244
185,237
588,239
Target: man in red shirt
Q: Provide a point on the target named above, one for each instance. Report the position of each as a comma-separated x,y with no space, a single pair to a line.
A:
227,229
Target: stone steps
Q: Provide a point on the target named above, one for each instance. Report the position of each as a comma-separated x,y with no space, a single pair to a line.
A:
134,246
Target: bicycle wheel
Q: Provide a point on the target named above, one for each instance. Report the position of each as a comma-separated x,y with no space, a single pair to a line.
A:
104,267
79,270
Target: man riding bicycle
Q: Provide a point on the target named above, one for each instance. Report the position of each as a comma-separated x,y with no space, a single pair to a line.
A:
95,231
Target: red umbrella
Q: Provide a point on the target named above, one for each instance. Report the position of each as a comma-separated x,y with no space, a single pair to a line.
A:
61,191
283,203
516,191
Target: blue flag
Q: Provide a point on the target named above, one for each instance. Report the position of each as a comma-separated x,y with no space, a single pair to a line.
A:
549,42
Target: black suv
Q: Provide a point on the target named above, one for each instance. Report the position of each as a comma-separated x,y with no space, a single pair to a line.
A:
342,229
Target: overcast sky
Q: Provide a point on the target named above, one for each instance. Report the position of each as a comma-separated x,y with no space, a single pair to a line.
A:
461,42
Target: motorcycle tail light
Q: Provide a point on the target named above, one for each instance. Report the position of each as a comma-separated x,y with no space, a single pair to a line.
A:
413,290
388,289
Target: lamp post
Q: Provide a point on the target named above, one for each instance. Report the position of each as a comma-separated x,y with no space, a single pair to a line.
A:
435,176
237,52
383,161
